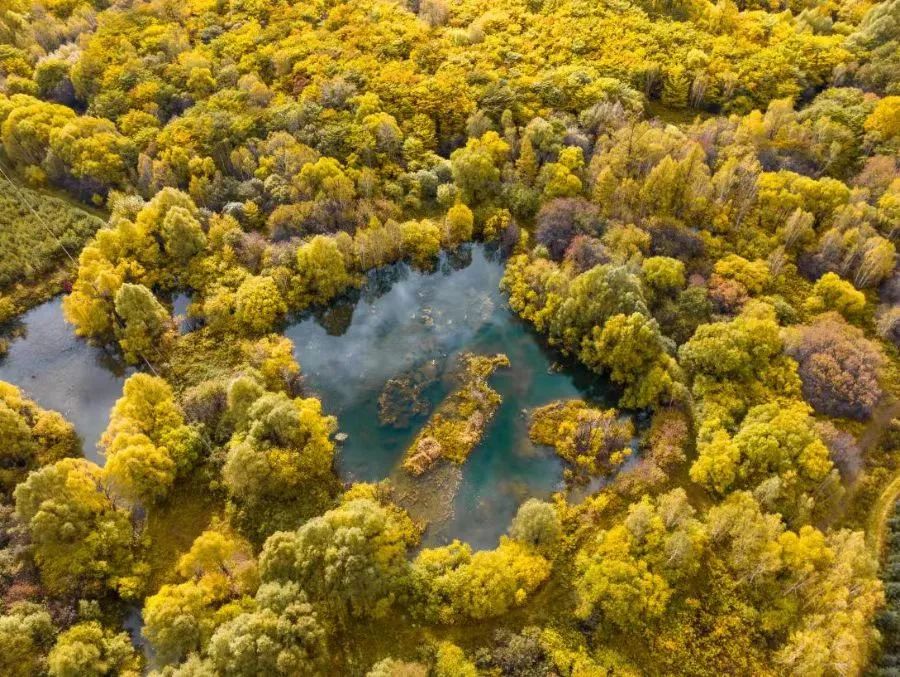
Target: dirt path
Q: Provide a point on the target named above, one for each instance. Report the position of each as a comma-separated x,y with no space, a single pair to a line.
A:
881,513
884,506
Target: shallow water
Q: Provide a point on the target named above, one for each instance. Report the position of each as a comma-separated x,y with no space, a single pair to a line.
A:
404,318
60,371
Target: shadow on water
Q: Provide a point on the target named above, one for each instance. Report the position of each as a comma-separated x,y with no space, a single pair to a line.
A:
403,319
60,371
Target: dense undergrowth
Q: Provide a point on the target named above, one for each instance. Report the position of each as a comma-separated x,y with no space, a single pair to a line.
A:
37,231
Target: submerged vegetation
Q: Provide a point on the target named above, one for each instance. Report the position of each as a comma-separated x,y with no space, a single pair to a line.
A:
458,424
696,201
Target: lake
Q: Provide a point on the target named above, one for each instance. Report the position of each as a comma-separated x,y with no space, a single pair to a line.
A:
405,321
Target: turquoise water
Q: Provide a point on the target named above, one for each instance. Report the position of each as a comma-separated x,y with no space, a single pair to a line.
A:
403,319
60,371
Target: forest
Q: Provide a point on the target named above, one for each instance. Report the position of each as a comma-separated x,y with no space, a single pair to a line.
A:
687,394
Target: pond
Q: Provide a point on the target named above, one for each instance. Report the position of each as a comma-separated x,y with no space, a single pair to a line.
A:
404,322
60,371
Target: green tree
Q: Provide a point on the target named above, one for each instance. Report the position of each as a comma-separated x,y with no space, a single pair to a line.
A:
278,468
635,353
628,573
281,636
663,276
82,540
777,453
145,323
476,167
592,298
536,523
182,234
351,559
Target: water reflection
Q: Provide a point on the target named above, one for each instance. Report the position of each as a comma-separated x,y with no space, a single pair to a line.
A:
403,319
60,371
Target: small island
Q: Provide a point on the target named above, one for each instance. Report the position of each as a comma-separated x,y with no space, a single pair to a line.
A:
594,441
459,422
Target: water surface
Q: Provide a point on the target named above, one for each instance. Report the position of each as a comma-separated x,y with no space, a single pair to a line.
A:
405,318
60,371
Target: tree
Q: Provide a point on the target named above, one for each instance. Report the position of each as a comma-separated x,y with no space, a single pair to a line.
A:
88,649
663,276
147,440
390,667
27,129
536,523
736,364
145,322
182,234
458,225
322,271
883,125
455,585
593,297
138,469
777,453
278,468
628,573
181,618
282,636
33,437
634,351
351,559
621,587
421,242
830,292
82,540
838,367
218,575
93,151
259,306
450,661
745,537
752,275
560,179
26,635
476,167
594,441
560,220
527,163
